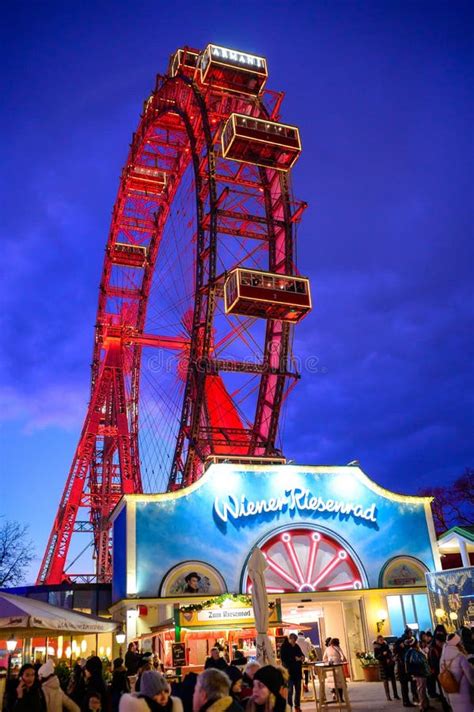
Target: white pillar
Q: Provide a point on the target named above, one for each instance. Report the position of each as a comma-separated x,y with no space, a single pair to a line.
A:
463,550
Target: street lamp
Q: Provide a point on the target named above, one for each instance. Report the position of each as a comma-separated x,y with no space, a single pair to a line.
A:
120,638
11,647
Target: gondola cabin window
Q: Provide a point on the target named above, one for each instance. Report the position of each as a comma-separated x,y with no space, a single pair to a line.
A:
267,295
261,142
232,70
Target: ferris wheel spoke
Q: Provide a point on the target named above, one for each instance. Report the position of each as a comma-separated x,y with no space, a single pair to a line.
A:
327,570
281,572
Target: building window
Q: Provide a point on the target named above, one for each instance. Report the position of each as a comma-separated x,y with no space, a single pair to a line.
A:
408,610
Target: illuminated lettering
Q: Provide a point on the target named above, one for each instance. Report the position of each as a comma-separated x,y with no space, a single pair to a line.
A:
239,57
294,499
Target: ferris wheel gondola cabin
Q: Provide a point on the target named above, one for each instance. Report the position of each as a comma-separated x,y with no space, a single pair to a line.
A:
183,61
232,70
261,142
128,255
266,295
145,180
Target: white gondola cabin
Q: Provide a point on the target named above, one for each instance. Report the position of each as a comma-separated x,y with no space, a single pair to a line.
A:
183,61
263,143
267,295
232,70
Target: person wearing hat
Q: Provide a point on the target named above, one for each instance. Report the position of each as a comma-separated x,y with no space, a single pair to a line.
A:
454,659
55,698
155,695
235,676
211,693
268,686
192,582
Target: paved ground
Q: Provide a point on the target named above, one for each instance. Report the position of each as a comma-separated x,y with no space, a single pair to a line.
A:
369,697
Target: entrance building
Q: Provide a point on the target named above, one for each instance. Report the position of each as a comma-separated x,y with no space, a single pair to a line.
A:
345,558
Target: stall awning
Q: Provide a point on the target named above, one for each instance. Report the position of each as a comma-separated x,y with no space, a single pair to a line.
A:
28,617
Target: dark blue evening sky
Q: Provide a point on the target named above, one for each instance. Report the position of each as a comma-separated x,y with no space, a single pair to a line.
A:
382,93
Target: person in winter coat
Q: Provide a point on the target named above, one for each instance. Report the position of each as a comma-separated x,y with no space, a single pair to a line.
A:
185,690
387,666
454,658
416,665
76,685
239,659
235,676
27,696
94,681
334,656
132,660
211,693
292,658
154,695
400,648
467,639
268,686
247,679
119,683
55,698
434,657
215,660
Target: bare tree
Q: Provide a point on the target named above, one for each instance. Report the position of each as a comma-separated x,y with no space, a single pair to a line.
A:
16,552
454,505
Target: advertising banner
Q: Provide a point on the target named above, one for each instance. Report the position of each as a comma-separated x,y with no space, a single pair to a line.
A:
451,597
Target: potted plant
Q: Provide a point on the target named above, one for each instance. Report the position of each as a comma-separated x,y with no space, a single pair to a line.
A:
370,666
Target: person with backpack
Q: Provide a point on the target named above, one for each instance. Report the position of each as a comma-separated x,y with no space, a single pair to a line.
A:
400,649
416,665
456,675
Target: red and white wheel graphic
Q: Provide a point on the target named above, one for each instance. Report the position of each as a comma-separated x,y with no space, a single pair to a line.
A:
306,560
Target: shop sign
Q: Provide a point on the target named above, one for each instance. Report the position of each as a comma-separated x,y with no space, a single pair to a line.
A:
295,499
225,614
178,654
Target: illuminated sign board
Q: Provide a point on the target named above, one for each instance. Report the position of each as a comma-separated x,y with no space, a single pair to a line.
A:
230,55
197,541
226,614
293,499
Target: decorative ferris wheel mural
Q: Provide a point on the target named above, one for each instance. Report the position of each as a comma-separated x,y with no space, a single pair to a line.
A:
306,560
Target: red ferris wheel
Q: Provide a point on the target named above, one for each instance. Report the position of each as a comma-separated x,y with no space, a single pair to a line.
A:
192,355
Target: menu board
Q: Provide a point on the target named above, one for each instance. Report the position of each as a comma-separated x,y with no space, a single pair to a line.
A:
178,654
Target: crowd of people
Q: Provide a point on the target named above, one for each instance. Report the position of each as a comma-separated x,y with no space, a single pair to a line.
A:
432,666
137,684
